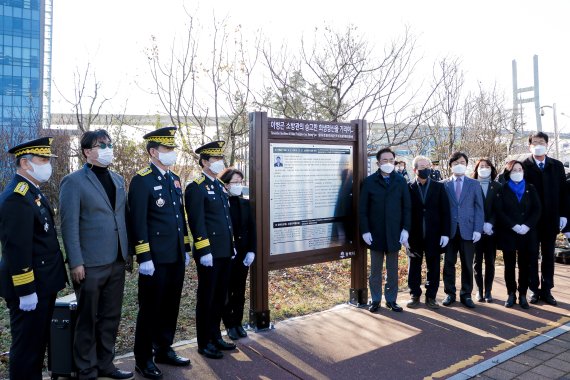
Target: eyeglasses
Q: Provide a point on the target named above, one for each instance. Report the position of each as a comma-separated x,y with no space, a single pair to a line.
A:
104,146
236,183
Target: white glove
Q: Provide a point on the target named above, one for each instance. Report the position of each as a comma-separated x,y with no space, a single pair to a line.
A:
476,236
443,241
567,234
404,238
517,228
249,257
146,268
524,229
207,260
29,302
488,229
187,259
367,237
563,222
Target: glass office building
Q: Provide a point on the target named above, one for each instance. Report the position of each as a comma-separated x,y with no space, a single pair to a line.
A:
22,45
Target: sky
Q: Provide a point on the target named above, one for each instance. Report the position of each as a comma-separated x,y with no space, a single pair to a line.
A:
485,35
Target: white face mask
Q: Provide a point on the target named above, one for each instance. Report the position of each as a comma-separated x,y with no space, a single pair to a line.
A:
236,189
167,159
459,169
387,168
538,150
517,176
105,156
217,167
484,172
41,173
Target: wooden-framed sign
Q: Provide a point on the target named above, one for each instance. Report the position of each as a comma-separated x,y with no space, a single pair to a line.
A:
304,184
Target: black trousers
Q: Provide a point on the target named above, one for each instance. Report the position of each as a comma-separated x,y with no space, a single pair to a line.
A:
466,251
159,303
233,310
99,302
30,334
432,256
210,299
485,250
546,282
510,258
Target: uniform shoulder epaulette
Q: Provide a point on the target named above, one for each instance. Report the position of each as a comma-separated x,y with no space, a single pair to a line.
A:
144,171
21,188
222,182
176,174
200,179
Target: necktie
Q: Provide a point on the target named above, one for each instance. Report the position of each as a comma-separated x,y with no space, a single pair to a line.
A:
387,179
458,183
541,166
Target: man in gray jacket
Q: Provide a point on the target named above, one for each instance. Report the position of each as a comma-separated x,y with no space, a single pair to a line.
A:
93,207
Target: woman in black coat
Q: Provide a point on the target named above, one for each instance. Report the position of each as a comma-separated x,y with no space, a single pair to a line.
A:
486,248
518,211
245,243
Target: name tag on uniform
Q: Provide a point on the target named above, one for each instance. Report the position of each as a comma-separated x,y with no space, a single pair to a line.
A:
159,187
211,192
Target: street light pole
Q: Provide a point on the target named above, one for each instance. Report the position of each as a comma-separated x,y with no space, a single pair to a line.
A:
553,106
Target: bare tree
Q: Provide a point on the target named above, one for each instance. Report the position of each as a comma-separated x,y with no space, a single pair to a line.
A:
340,76
199,95
86,103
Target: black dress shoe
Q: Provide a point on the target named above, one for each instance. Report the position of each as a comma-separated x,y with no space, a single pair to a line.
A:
549,299
148,370
511,300
210,351
523,302
374,306
448,300
223,345
241,331
413,303
534,298
468,302
394,306
432,303
488,297
233,333
117,374
172,358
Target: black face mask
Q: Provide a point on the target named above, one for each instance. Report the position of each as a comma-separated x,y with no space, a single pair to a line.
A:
424,173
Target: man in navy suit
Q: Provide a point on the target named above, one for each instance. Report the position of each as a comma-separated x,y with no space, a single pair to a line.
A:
467,218
547,176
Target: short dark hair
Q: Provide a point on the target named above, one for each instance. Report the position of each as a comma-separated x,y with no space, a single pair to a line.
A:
488,162
19,159
384,150
91,137
456,156
509,168
150,145
226,175
540,135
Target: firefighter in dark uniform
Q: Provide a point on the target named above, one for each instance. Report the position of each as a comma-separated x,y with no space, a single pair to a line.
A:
32,269
160,237
207,207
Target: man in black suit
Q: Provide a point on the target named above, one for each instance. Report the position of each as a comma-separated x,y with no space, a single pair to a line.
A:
429,232
161,241
548,177
31,269
278,163
208,210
